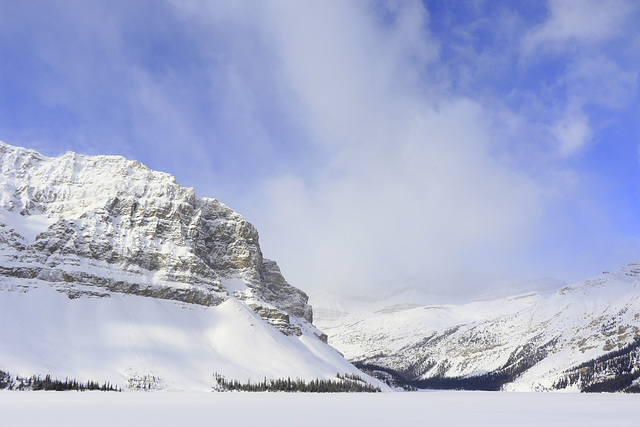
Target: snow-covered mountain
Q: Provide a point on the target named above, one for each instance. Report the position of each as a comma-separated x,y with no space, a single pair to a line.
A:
112,271
582,337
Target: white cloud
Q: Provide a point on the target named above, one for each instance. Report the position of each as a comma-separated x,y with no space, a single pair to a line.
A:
411,182
431,205
582,42
411,189
578,21
572,134
589,81
369,143
343,67
599,80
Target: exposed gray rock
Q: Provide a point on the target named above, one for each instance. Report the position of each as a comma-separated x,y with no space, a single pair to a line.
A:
112,224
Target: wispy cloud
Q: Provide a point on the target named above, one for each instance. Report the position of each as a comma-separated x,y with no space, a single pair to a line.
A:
371,142
572,133
411,190
578,21
586,39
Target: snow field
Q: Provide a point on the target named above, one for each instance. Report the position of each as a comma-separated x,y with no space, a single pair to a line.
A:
282,409
124,338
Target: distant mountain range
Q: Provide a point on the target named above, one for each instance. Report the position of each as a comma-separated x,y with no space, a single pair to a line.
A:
583,337
110,271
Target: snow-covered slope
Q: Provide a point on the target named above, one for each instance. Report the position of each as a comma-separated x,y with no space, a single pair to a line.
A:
525,342
136,341
111,271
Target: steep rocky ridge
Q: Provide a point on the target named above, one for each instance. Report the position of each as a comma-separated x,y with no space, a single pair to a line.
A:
93,225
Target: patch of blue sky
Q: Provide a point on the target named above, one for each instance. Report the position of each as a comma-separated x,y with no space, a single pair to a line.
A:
333,109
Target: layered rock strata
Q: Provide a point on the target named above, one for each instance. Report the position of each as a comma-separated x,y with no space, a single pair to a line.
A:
92,225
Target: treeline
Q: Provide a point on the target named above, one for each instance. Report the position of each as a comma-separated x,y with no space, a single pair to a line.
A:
618,368
343,384
627,350
37,383
391,377
145,382
5,380
518,362
491,381
619,383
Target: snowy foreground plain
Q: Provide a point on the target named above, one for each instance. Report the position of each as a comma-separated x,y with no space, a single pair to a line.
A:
283,409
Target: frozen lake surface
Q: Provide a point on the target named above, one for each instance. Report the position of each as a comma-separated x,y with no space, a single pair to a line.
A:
282,409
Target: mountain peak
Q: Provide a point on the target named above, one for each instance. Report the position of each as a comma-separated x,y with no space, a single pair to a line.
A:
109,233
121,217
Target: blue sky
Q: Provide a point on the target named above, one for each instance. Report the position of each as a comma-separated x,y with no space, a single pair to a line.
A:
373,143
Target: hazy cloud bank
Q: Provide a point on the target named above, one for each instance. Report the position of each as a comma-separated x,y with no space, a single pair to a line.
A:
444,144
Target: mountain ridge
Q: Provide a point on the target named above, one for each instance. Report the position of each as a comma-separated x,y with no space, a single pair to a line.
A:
527,342
135,223
101,256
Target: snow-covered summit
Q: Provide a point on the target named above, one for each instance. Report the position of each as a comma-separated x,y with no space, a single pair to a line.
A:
112,224
110,268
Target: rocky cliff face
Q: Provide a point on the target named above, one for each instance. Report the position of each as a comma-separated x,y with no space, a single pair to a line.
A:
93,225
